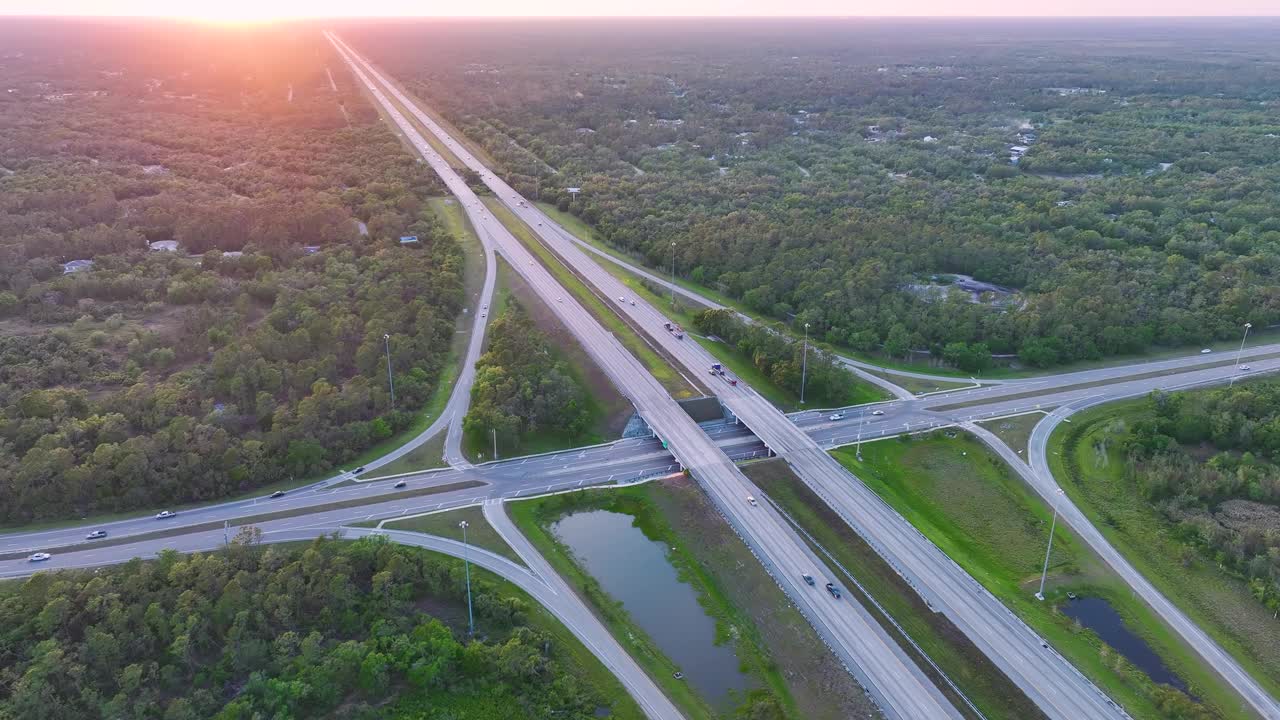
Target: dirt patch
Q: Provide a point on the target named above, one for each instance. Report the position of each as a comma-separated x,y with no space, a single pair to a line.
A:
820,688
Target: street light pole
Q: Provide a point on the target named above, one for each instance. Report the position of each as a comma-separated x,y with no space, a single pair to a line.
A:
495,442
1053,526
673,273
386,339
1240,352
466,564
804,363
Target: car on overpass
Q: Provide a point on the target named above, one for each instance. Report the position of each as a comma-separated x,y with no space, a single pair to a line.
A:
96,535
166,514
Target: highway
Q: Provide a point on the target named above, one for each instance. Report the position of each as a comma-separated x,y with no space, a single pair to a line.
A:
899,687
708,452
1041,673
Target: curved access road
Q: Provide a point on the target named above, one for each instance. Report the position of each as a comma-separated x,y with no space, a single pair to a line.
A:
566,607
1040,478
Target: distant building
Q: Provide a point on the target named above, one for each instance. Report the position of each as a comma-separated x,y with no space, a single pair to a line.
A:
311,249
408,239
164,246
76,266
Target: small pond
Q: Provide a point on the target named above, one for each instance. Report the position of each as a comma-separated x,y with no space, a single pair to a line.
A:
1097,615
634,570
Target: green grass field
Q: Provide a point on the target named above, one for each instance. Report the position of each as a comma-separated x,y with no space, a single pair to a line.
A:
1089,465
964,499
445,524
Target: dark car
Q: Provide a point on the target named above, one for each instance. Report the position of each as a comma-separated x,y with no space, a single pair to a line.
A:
358,470
808,579
277,494
835,591
401,484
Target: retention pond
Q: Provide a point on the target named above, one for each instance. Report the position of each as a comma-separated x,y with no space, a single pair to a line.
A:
634,570
1097,615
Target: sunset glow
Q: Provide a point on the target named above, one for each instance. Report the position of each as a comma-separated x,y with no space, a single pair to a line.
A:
241,11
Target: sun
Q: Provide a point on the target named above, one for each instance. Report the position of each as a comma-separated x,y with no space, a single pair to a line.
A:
238,12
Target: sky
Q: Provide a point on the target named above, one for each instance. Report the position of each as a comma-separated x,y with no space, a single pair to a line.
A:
240,10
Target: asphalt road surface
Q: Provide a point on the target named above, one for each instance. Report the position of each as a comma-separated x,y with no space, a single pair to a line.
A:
708,452
898,685
1046,677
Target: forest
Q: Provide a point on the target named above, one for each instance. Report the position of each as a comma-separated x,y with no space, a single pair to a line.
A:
326,629
1209,462
1113,182
200,257
523,387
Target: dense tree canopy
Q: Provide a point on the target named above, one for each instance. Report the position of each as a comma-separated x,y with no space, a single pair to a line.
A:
1210,462
330,629
254,351
523,386
1121,179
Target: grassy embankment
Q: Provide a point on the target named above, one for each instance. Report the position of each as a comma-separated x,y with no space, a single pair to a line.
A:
964,499
445,524
682,311
936,636
641,349
1090,465
768,635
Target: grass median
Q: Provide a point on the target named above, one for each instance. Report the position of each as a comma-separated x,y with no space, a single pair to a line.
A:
641,349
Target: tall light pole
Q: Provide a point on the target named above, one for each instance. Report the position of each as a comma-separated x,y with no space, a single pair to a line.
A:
386,339
673,273
466,564
804,362
1240,352
1053,526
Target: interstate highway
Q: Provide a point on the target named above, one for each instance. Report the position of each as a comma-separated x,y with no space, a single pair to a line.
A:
1046,677
899,687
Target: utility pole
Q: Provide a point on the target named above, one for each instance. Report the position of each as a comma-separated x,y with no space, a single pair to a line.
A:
1053,526
495,443
1240,352
673,273
226,542
386,339
466,564
804,363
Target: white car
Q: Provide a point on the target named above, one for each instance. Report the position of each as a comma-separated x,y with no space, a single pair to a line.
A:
621,299
39,557
1245,368
877,412
1205,351
96,535
751,499
836,416
165,514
